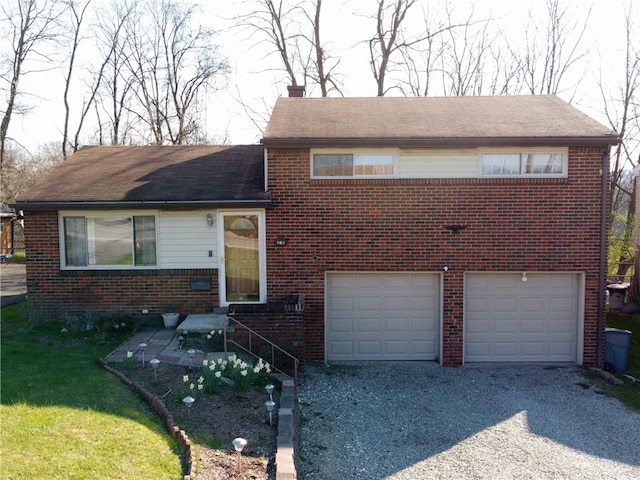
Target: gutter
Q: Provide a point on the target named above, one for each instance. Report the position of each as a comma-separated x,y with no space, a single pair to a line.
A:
37,205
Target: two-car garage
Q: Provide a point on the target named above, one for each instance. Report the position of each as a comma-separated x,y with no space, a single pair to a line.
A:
508,317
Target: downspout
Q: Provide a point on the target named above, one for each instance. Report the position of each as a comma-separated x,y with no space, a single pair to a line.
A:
604,223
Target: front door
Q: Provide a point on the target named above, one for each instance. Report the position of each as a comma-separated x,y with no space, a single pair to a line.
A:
242,266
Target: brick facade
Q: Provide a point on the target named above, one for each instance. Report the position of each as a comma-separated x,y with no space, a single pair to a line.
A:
364,225
396,225
104,292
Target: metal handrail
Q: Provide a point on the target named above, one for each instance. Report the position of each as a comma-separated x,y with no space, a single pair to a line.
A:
274,347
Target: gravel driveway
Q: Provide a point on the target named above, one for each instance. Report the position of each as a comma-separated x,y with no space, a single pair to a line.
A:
420,421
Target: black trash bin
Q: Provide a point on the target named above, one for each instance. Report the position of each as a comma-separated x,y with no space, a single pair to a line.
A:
616,348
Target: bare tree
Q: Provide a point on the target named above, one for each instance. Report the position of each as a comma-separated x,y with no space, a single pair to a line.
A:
77,18
31,25
465,53
278,25
172,62
394,47
550,54
22,170
388,39
324,65
622,109
112,93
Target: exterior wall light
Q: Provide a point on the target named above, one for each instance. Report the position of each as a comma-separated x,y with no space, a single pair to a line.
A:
281,240
209,220
524,276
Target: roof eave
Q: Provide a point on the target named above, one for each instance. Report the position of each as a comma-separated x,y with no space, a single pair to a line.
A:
439,142
37,205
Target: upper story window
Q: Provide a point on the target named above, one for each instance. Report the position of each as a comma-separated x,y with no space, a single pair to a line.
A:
109,241
546,164
353,164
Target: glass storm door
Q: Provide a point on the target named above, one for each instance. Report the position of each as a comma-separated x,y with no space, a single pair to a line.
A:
242,266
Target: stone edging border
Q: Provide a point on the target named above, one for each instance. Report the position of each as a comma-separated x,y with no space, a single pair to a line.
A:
287,425
189,464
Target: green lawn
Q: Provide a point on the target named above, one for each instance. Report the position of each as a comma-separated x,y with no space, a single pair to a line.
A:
65,417
629,393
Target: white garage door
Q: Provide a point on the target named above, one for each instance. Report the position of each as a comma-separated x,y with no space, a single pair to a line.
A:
510,320
382,316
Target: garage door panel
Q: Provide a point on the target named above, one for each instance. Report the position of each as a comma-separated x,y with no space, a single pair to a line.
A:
397,325
508,320
420,325
394,316
342,325
505,325
367,303
477,306
504,304
391,281
479,326
370,347
368,325
562,304
561,326
399,303
505,348
400,347
338,303
535,303
342,348
533,325
424,304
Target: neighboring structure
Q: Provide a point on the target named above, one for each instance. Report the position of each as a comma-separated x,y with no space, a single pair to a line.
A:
7,219
459,229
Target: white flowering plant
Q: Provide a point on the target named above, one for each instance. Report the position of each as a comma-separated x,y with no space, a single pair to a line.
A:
242,373
215,340
190,387
212,372
245,374
130,361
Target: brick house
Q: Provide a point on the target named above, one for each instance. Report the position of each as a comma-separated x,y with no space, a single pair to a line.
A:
458,229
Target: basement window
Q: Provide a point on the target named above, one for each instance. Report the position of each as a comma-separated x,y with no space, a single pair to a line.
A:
109,241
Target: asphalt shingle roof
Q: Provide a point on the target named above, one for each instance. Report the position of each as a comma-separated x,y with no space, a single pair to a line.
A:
430,121
154,175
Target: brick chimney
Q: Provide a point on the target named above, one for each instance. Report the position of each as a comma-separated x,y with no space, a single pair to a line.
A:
296,90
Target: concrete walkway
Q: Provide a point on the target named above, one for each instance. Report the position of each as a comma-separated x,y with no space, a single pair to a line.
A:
13,283
161,344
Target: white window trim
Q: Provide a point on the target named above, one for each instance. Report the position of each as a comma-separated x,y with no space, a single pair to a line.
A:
103,213
563,150
262,255
394,152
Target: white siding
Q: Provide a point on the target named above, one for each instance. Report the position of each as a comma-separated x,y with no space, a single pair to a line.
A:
185,239
438,164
